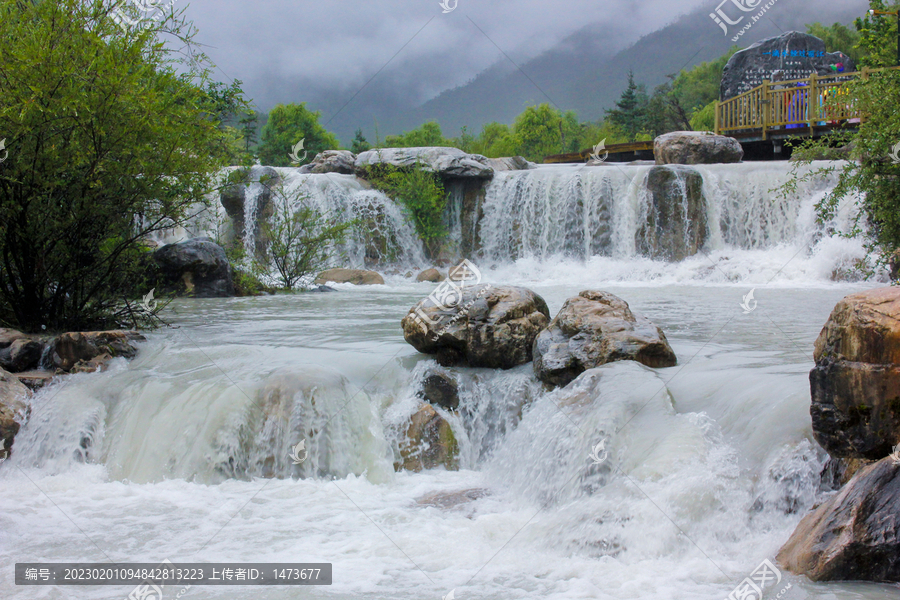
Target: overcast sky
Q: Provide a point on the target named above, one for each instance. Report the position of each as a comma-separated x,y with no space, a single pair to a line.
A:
341,44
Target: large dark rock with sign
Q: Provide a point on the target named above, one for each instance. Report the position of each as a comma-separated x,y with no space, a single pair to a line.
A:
793,55
477,325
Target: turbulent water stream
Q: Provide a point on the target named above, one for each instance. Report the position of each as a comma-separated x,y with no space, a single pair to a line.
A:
182,454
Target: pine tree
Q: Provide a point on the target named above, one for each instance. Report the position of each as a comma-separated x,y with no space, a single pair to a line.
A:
630,114
359,144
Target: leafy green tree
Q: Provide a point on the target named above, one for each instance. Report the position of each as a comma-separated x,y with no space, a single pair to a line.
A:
109,141
422,196
838,37
877,43
286,126
539,132
248,127
496,140
630,113
428,134
360,144
301,239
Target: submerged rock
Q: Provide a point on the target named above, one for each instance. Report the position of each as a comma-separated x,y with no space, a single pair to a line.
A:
85,350
592,329
432,275
855,384
429,442
479,325
696,148
855,534
15,408
441,390
196,268
675,226
354,276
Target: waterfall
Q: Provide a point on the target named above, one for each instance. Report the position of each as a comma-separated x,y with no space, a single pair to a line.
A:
625,211
382,234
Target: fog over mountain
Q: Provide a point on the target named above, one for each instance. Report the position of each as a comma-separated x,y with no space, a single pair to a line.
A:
397,63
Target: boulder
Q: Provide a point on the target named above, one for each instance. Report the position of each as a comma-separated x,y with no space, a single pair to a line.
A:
793,55
675,226
592,329
696,148
332,161
509,163
429,443
446,162
8,336
354,276
854,534
196,268
439,389
70,349
478,325
322,289
432,275
855,384
23,354
15,408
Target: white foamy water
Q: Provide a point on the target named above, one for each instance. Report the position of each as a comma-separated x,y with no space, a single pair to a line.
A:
183,453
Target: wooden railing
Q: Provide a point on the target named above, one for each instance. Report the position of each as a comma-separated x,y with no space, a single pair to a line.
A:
791,104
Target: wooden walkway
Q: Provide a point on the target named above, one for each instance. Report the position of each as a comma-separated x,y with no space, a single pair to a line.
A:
793,108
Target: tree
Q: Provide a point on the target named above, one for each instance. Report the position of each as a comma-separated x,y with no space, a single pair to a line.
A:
248,126
631,109
110,140
428,134
539,132
286,126
838,38
876,34
359,144
301,239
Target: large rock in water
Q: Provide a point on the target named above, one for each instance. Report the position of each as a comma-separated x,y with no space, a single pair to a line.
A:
15,409
429,443
446,162
853,535
70,350
354,276
696,148
793,55
855,384
592,329
22,355
675,226
196,268
482,326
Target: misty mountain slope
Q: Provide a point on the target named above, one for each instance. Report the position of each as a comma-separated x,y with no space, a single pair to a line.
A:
579,74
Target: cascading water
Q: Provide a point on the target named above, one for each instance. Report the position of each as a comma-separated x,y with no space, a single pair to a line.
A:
186,452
